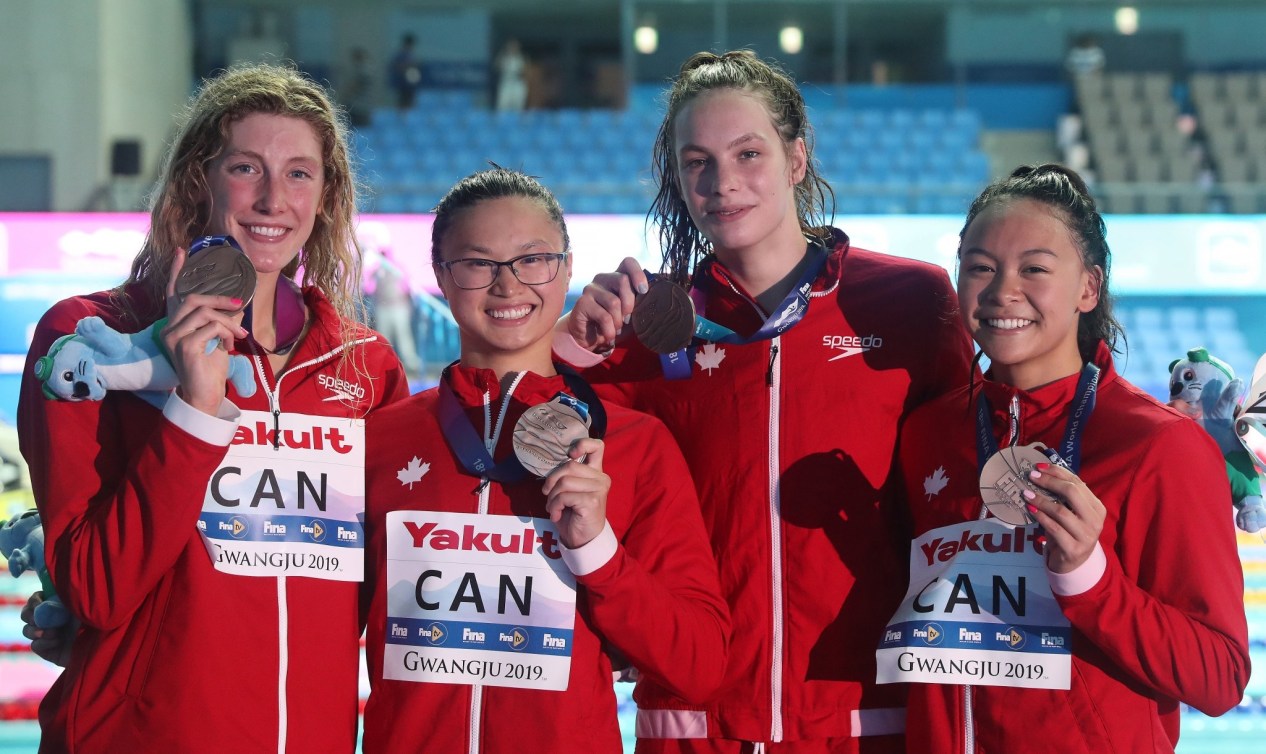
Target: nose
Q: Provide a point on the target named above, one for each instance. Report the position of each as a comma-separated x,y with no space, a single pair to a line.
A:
272,194
80,390
723,178
1004,287
504,279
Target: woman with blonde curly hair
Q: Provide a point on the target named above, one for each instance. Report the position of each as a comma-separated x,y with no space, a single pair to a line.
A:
174,534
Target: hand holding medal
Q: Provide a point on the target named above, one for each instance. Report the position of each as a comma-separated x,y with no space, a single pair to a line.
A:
552,441
1073,524
204,310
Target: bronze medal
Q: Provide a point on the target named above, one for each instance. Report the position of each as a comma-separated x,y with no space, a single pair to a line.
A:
218,270
545,433
664,317
1004,479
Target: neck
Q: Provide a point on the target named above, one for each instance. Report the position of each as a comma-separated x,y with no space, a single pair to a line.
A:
263,307
1028,377
759,268
502,363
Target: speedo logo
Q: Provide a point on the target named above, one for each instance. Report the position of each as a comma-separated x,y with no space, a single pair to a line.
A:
851,345
342,389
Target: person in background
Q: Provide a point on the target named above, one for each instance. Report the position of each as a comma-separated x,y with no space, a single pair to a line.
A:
786,410
1132,539
157,521
405,72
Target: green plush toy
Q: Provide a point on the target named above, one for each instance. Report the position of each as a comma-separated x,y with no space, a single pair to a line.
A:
1206,389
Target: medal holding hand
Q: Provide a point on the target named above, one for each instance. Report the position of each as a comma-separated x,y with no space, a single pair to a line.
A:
1072,527
576,494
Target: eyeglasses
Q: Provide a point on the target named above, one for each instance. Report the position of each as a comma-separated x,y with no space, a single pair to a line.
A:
529,269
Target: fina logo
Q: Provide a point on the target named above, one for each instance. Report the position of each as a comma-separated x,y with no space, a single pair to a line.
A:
315,530
435,634
239,527
1012,637
931,634
517,639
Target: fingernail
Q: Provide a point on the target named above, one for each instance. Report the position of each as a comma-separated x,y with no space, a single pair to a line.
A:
627,318
643,288
1035,474
236,301
1030,494
1031,508
241,332
1041,466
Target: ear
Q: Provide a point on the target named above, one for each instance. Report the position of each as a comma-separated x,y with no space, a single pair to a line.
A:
441,279
799,161
1092,284
567,264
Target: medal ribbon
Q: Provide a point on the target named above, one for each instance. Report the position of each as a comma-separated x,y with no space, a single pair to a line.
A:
470,450
1069,447
785,316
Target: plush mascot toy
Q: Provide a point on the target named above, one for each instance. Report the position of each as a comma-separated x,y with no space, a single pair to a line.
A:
22,542
97,358
1206,389
1251,423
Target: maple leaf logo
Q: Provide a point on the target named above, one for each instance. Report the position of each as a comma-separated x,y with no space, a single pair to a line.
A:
936,482
710,357
413,472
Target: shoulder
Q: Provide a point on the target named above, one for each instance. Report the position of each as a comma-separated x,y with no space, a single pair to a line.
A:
411,412
1127,411
62,317
629,429
942,411
881,266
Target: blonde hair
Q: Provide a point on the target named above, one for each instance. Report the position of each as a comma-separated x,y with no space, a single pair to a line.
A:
181,204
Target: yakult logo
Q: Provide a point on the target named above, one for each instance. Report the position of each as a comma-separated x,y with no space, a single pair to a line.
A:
469,539
1010,541
342,389
851,345
316,438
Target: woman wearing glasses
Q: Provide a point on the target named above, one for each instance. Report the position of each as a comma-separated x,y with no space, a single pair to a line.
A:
488,590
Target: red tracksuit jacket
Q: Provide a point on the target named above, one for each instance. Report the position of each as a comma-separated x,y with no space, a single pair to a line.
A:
652,596
1163,624
174,655
791,442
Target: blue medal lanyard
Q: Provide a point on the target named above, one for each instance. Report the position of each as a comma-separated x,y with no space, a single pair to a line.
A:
1069,448
676,366
469,448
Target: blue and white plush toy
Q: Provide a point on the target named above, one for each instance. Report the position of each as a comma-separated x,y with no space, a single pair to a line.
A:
1205,388
97,358
22,542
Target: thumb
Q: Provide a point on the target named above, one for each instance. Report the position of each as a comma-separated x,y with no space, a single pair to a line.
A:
589,448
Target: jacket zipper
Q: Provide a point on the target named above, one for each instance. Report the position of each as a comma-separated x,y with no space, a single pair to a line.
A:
773,378
491,435
969,726
283,611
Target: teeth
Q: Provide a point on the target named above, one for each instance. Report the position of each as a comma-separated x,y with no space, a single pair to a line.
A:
1008,324
515,313
269,232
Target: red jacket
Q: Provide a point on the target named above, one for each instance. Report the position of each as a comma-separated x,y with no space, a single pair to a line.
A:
174,655
1163,623
654,599
790,442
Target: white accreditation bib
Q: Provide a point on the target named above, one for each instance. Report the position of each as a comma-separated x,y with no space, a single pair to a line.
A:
289,502
477,599
979,611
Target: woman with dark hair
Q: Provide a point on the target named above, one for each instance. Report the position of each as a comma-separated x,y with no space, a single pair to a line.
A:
498,605
808,352
1124,593
172,534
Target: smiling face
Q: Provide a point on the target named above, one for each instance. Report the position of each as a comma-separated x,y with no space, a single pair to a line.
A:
738,176
509,325
266,188
1022,288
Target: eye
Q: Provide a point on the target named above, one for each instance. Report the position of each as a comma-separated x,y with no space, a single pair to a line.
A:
242,168
1188,374
68,376
749,154
476,264
301,174
532,260
694,162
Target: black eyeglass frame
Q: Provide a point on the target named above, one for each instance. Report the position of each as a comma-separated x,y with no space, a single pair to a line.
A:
560,256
